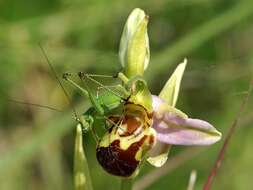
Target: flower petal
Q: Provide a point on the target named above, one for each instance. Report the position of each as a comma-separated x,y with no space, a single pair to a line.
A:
174,127
159,160
180,131
158,155
160,107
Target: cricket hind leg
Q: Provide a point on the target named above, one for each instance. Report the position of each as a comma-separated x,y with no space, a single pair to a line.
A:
67,76
119,75
85,92
121,91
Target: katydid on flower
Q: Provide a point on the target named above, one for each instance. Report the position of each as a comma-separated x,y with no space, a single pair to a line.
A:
127,114
130,136
129,120
125,111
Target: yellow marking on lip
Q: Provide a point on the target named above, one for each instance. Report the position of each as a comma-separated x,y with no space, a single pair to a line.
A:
138,111
141,114
127,141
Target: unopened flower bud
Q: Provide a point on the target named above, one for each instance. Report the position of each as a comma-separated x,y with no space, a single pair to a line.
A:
134,45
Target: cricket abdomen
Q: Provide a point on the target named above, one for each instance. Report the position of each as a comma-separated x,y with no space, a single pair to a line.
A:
117,161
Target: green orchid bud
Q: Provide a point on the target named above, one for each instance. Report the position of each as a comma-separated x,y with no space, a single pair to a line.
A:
134,44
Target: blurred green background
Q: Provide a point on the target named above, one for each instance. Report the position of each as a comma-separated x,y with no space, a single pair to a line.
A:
36,145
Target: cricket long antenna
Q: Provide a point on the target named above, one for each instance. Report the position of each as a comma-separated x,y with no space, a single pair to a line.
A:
33,104
59,81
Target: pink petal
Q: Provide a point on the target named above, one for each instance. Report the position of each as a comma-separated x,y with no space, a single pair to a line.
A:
172,128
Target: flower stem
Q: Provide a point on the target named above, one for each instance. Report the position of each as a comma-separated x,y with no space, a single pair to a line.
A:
126,184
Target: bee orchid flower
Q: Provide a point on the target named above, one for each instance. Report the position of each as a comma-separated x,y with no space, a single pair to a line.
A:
172,126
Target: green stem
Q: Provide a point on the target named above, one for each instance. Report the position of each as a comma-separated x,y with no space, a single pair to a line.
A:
126,184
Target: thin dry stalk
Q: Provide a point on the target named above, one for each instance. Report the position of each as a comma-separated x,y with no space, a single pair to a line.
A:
217,165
